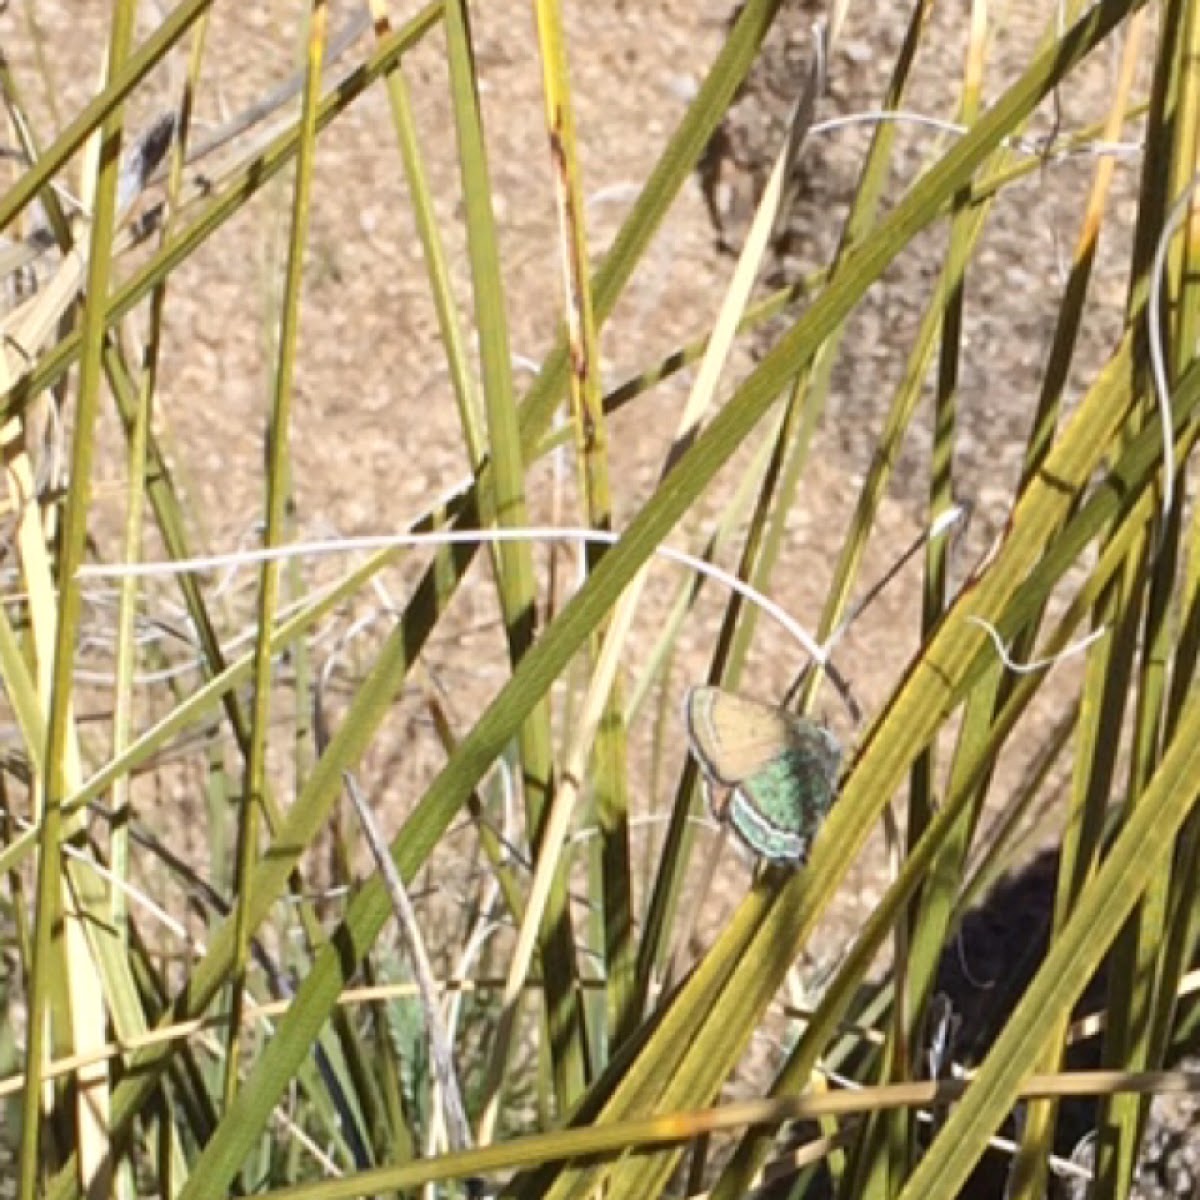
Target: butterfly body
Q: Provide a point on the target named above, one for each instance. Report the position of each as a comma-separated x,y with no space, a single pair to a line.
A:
782,769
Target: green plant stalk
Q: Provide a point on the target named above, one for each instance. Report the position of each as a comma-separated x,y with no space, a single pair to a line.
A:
963,233
434,252
1048,411
254,781
136,458
610,797
470,409
1082,835
675,855
1140,954
1183,924
128,1012
809,391
518,592
879,1169
656,957
1106,688
587,410
1172,113
48,952
1135,958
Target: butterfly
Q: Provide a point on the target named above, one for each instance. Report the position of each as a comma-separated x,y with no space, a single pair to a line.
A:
782,769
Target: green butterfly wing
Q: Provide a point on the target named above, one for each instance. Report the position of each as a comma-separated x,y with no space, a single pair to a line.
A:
783,769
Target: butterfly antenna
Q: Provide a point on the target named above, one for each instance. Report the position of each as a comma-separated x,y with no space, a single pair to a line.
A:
840,683
956,515
959,513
